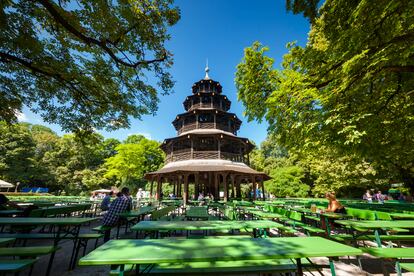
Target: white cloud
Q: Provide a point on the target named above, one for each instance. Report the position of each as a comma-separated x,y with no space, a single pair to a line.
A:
21,117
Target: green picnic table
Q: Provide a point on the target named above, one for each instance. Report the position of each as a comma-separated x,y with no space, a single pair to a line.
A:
10,212
408,266
65,226
377,225
205,225
399,216
264,215
5,241
137,213
150,251
197,213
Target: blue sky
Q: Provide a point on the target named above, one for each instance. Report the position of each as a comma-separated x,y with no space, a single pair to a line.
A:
218,30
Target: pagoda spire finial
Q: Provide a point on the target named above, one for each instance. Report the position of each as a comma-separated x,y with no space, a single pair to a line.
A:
207,70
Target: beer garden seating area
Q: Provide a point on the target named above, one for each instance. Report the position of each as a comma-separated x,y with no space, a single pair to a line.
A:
206,237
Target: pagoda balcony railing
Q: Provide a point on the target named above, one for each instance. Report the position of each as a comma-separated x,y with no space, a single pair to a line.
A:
182,155
206,105
206,125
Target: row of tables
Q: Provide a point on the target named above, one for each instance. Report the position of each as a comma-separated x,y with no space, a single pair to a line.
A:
145,253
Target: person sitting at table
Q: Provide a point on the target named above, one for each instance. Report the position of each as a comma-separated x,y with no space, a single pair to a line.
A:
5,202
121,204
334,205
106,202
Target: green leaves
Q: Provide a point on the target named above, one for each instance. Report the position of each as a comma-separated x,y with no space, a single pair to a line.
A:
84,64
132,161
255,73
348,90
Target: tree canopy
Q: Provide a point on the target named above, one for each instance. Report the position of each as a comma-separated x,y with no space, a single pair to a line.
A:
36,157
349,90
132,161
63,61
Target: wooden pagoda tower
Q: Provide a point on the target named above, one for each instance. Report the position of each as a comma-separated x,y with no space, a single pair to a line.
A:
207,152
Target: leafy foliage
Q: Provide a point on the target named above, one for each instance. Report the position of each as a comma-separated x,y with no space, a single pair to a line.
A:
17,154
287,181
63,61
349,90
132,161
315,173
35,156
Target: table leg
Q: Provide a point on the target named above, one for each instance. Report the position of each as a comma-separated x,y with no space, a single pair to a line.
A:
121,270
377,238
77,244
332,266
299,265
52,256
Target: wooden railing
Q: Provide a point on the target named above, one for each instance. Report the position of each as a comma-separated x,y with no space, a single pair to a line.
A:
208,125
206,105
182,155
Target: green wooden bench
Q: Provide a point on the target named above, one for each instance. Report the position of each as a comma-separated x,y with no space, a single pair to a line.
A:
16,266
197,212
82,241
407,266
220,267
157,214
294,219
391,253
32,251
349,237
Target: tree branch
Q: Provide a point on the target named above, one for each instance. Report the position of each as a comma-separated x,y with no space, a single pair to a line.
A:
29,65
399,69
397,91
59,77
92,41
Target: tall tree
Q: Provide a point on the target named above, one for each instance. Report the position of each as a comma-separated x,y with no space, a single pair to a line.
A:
84,64
351,87
132,161
17,154
134,139
76,163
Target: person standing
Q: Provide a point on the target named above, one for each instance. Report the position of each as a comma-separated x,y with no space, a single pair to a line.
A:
121,204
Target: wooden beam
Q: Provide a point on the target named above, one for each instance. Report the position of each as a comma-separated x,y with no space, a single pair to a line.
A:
152,188
216,185
196,184
158,195
232,176
225,187
185,195
238,188
254,186
263,189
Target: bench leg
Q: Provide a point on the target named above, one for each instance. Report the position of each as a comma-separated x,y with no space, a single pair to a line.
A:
85,245
107,235
73,264
49,266
299,265
117,231
332,266
75,245
96,243
398,268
